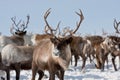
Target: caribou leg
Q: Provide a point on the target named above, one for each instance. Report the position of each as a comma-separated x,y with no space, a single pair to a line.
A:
84,62
17,70
8,73
76,59
102,64
113,62
34,71
52,76
98,65
104,58
60,74
119,61
41,74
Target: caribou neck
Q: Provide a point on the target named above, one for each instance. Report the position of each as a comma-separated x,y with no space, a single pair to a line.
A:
65,57
19,40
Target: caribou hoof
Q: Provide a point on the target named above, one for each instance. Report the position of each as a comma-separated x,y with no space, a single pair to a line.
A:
2,78
102,70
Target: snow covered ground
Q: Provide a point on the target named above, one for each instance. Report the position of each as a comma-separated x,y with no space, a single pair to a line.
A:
74,73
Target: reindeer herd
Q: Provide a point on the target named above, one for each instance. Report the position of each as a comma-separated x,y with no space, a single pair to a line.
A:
53,51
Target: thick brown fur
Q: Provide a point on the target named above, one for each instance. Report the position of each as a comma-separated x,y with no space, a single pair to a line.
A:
45,59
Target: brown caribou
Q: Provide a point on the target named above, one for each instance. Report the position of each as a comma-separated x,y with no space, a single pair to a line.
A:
77,40
115,50
44,57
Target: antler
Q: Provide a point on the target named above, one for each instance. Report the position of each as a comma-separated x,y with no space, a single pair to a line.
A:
24,26
116,24
19,27
78,23
14,23
45,17
57,27
47,25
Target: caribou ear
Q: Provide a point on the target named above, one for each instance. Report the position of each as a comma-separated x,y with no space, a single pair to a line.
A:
16,33
25,32
69,40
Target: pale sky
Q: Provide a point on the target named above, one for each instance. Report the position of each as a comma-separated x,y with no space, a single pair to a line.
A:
99,14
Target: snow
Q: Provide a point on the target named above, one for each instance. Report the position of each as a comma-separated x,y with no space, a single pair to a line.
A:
74,73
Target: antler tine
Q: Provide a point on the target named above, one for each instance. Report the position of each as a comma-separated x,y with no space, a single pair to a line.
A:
19,23
46,15
116,24
59,34
14,23
22,25
46,29
13,19
57,27
28,18
25,25
78,23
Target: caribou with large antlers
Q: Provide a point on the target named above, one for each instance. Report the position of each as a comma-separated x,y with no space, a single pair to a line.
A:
115,49
77,41
44,57
18,36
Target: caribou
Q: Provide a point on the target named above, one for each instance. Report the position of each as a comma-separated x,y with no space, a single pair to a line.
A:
79,46
15,57
44,57
115,49
17,37
101,49
75,44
